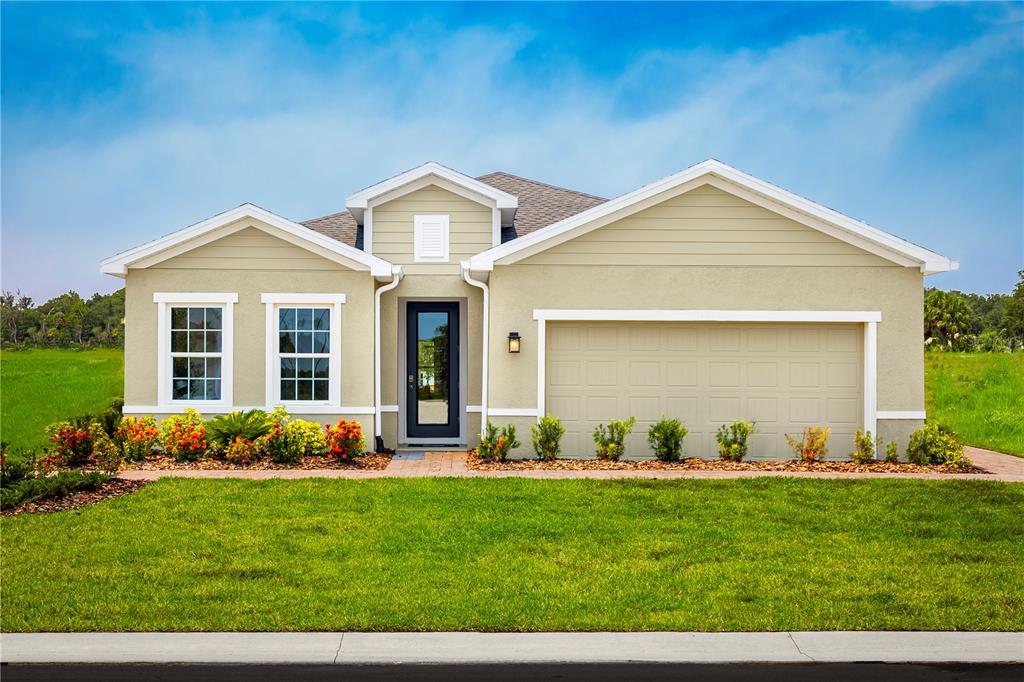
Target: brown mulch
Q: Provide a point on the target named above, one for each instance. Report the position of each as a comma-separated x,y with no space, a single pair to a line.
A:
369,462
697,464
115,487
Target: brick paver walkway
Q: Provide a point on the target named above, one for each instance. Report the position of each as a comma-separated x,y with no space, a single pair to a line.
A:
1000,467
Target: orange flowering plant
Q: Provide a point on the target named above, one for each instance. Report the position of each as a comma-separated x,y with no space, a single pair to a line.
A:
241,451
137,436
72,442
184,436
345,440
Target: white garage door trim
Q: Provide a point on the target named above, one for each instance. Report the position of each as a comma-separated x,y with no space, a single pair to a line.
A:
869,318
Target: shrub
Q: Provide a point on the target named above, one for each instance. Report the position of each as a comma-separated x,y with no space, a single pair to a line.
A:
225,429
106,455
184,436
42,488
935,444
892,452
306,437
666,439
610,443
863,447
72,442
274,444
18,465
495,444
345,440
810,447
732,440
137,436
110,419
547,437
241,451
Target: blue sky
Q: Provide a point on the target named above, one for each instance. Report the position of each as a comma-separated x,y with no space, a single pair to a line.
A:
122,122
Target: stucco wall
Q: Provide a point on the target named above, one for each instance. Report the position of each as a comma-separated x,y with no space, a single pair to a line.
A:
237,276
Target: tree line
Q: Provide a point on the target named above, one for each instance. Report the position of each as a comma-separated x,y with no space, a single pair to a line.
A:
953,320
66,321
958,321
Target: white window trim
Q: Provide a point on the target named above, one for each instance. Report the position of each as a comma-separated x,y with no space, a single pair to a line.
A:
165,301
869,318
418,221
273,385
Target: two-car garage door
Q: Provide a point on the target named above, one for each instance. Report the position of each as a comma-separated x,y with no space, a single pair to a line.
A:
783,376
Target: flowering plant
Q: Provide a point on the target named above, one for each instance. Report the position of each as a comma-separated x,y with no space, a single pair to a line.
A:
305,438
184,435
72,443
345,440
137,436
106,456
241,451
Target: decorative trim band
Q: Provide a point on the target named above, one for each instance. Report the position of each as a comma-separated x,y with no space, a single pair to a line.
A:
901,414
511,411
663,315
224,409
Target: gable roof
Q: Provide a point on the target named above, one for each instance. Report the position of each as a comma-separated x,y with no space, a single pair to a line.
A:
228,222
735,182
540,204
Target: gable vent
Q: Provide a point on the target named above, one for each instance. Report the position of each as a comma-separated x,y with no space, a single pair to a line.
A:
431,234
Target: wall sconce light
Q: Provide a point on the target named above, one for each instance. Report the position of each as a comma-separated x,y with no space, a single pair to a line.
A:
513,342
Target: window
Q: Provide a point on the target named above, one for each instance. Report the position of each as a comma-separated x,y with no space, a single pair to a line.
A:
304,353
197,344
431,238
303,350
194,347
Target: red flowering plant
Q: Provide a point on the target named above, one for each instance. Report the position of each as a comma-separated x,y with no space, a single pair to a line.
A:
137,436
184,436
345,440
72,442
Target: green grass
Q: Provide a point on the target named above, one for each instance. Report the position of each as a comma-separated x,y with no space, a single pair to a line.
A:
980,396
38,387
523,555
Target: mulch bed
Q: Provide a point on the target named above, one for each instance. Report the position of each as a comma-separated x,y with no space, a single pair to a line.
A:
697,464
370,462
115,487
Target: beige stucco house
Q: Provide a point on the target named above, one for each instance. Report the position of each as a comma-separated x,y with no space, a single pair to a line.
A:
438,300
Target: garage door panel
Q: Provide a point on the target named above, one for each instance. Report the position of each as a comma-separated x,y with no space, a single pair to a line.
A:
781,376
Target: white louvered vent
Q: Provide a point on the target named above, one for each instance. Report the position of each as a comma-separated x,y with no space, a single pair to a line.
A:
431,233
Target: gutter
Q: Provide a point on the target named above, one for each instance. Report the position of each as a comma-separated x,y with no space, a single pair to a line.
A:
485,338
396,277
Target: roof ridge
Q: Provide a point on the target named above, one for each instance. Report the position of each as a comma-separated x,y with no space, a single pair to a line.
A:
540,182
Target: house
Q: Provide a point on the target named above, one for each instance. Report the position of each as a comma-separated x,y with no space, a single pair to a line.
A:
438,300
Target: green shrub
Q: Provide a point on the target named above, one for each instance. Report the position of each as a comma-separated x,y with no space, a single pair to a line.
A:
46,487
17,465
610,443
495,444
666,439
547,437
863,447
732,440
106,455
935,444
226,429
304,438
892,454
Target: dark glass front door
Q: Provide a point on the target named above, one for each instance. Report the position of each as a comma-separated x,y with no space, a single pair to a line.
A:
432,370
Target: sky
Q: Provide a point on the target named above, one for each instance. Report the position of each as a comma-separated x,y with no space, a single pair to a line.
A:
124,122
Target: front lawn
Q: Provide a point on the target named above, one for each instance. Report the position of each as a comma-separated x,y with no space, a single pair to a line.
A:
41,386
980,396
513,555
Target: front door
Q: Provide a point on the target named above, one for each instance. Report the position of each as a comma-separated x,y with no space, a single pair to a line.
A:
432,369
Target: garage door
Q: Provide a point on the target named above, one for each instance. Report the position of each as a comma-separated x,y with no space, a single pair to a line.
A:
781,376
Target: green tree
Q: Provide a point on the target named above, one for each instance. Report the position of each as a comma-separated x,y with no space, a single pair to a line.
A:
1013,313
948,320
15,315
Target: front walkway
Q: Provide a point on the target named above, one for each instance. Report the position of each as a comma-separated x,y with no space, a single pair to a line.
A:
1000,467
368,648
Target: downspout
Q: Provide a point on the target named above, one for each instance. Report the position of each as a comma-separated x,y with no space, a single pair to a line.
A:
486,333
396,277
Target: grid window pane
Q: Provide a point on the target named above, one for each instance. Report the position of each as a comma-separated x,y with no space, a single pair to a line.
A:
305,368
304,342
304,389
304,319
321,368
321,319
304,338
321,342
286,342
320,390
287,368
287,390
196,333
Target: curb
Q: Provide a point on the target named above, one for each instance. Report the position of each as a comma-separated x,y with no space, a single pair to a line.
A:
360,648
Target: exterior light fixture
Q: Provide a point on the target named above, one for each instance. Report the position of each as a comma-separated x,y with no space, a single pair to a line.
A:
513,342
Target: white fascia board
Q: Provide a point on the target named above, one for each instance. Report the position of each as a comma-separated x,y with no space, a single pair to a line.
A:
118,264
360,200
662,315
928,261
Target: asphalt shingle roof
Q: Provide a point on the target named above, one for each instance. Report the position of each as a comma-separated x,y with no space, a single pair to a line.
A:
540,205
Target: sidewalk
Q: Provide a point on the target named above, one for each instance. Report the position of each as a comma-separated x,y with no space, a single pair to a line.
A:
1000,467
491,648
